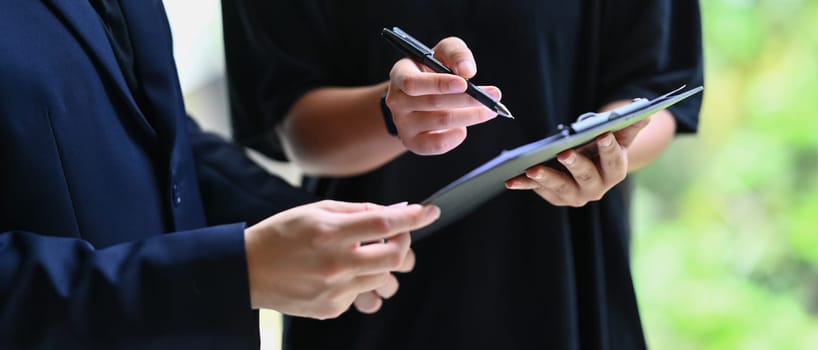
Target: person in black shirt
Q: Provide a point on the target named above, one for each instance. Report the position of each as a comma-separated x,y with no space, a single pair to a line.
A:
542,270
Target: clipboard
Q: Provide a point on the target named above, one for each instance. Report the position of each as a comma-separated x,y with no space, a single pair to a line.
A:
487,181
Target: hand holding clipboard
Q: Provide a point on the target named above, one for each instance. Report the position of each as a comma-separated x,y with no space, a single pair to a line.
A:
486,181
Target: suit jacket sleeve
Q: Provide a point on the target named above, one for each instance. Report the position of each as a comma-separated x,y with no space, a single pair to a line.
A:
233,187
186,283
190,286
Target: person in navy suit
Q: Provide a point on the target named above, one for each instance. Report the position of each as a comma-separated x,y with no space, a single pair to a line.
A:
124,226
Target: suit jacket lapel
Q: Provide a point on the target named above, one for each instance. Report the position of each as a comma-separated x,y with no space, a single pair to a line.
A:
80,16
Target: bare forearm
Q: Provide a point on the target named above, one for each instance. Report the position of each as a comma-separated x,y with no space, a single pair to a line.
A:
339,131
652,140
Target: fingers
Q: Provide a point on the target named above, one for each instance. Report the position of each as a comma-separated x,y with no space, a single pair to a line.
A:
370,283
382,256
586,180
417,122
368,302
346,207
454,53
374,225
388,289
613,159
626,136
431,110
371,301
408,78
400,100
554,186
436,142
584,171
521,183
385,249
575,189
408,262
435,124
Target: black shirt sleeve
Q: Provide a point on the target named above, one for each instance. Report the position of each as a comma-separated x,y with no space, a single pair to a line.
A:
269,69
651,47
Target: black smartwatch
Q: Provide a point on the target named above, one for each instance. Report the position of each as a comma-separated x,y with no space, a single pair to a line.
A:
387,118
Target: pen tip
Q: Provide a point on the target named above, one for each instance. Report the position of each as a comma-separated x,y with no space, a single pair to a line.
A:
503,111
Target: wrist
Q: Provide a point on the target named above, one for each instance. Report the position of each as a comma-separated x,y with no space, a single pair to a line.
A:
249,248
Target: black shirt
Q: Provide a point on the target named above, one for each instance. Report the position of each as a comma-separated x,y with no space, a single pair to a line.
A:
517,273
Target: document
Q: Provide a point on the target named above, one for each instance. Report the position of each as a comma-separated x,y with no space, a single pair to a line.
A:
488,180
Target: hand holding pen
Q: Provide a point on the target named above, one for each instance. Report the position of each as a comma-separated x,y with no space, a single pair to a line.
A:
431,110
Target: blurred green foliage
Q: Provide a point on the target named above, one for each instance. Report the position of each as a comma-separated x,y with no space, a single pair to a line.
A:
725,248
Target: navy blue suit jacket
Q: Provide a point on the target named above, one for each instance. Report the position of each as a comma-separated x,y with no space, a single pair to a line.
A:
121,225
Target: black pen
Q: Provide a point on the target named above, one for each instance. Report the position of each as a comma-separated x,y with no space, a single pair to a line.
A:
426,56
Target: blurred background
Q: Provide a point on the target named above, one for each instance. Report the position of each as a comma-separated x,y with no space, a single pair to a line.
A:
725,245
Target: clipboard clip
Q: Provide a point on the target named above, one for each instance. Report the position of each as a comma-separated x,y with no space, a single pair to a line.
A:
592,119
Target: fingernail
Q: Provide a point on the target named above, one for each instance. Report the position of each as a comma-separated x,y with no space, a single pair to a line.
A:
466,68
415,207
570,160
536,175
431,212
606,141
495,92
456,86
